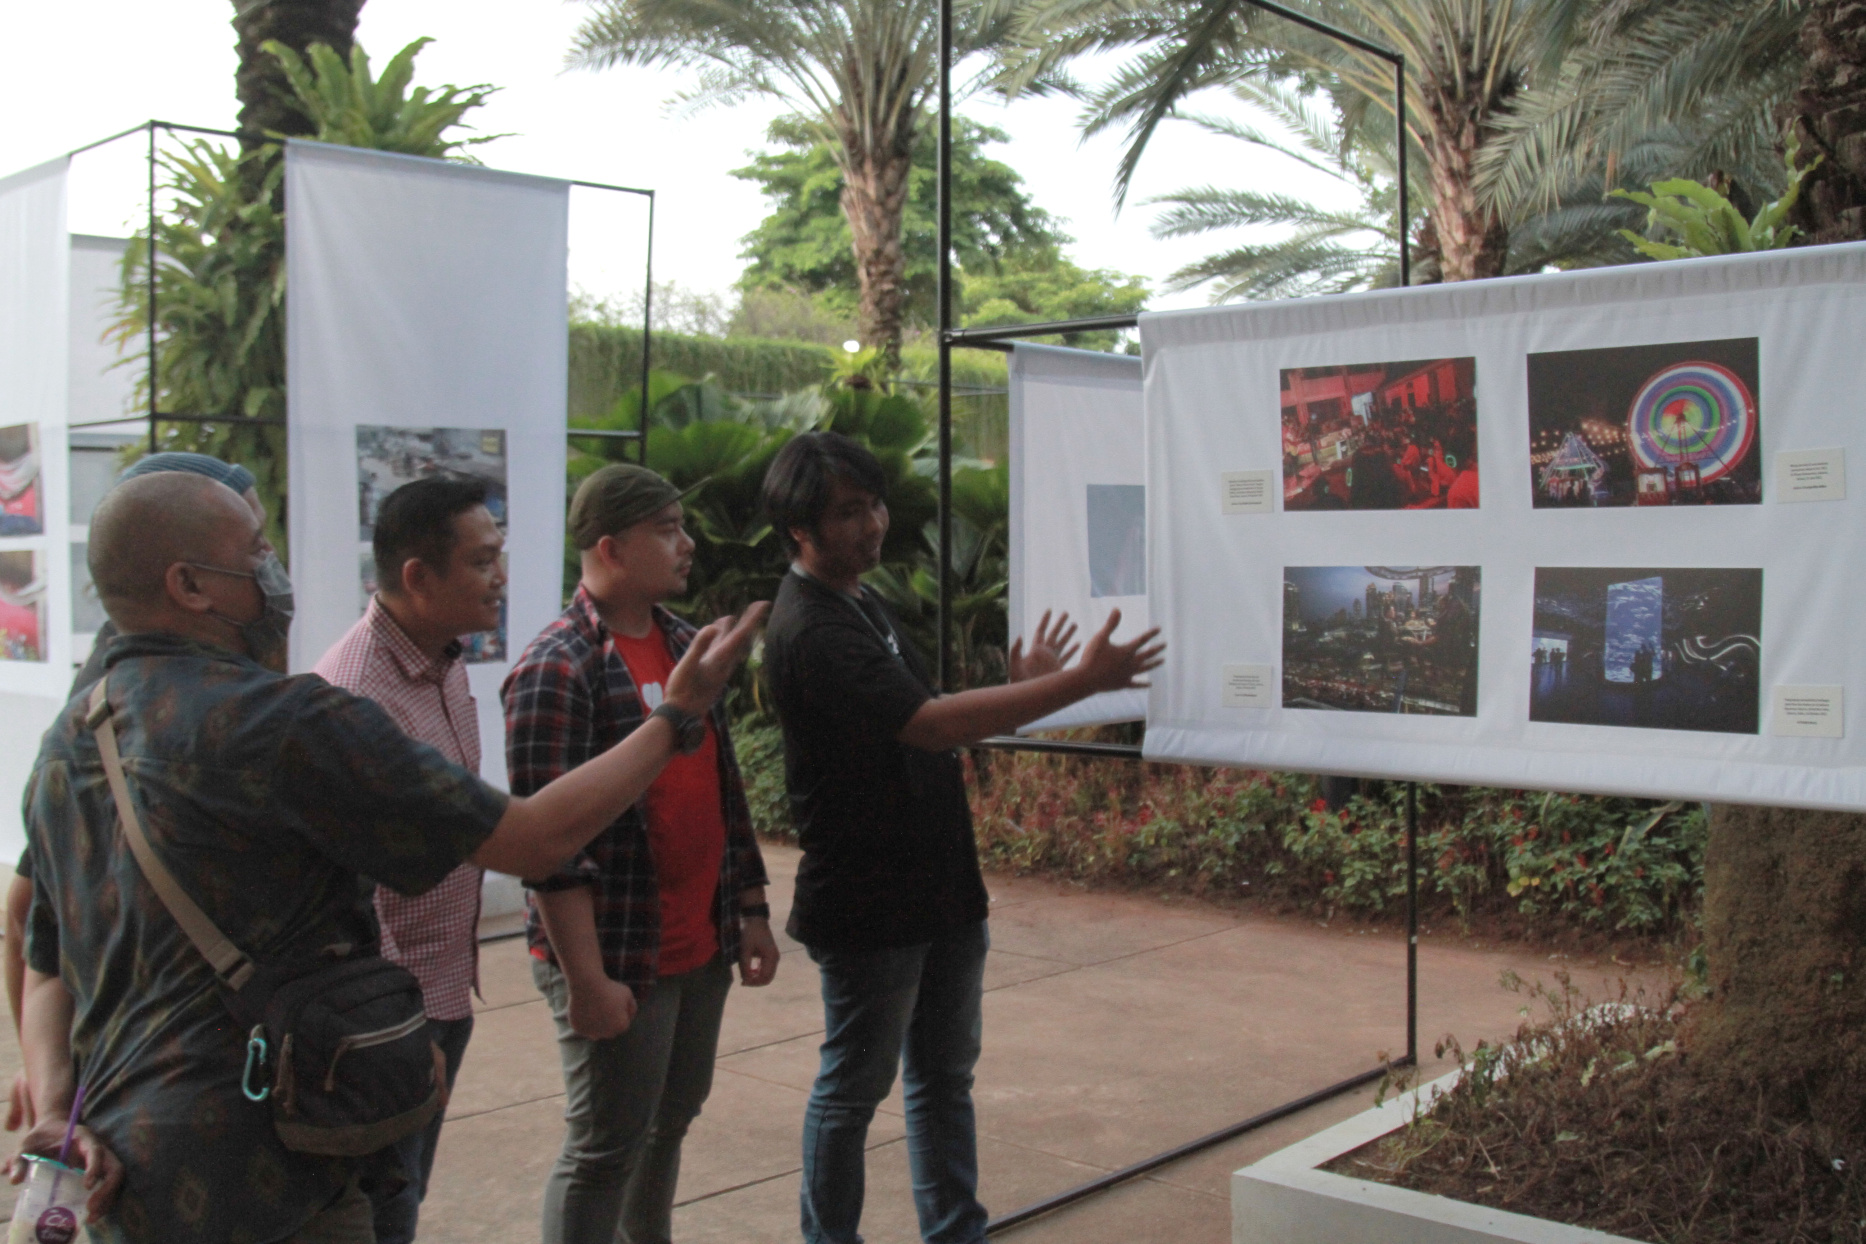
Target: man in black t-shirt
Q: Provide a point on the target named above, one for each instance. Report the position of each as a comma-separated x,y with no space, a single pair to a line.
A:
889,902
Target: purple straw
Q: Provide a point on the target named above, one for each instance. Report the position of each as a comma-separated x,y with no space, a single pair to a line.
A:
77,1104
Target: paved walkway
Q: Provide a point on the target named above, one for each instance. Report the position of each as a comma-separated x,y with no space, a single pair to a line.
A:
1116,1026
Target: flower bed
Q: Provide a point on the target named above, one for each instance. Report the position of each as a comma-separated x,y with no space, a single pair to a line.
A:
1600,1118
1623,866
1541,862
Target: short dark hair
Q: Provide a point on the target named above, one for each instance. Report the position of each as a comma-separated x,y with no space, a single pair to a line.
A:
417,520
797,485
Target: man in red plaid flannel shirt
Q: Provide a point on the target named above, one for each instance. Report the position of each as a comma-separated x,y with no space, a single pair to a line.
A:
440,576
634,937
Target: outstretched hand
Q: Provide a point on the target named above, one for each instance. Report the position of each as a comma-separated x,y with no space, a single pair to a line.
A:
1108,666
711,659
1050,649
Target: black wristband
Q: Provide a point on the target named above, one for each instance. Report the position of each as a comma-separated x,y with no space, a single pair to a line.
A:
755,911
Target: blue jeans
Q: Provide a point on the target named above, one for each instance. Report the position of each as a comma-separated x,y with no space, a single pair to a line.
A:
396,1214
918,1004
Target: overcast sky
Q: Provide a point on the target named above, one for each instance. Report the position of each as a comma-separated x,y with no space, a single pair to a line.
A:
81,71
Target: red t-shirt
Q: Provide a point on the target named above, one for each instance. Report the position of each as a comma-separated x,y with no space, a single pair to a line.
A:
686,823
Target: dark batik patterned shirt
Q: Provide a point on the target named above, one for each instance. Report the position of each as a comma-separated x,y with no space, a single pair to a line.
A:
569,699
268,798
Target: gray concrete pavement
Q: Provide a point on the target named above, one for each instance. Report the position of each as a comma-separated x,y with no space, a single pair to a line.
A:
1116,1026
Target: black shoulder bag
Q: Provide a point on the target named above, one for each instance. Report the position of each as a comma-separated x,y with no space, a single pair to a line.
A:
352,1069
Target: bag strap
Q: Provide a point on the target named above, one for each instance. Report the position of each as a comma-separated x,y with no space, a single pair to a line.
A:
229,962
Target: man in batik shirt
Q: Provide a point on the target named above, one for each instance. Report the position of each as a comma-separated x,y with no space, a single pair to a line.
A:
439,576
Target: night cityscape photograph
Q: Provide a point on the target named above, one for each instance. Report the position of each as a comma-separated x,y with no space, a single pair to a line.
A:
1381,639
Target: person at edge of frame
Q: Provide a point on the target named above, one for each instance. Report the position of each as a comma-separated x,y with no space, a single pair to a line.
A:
889,902
440,575
270,797
19,890
632,939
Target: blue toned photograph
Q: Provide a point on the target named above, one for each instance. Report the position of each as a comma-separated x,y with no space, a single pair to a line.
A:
1117,539
1664,649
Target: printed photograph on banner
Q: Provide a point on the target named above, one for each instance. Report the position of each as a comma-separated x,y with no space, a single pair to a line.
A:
1381,436
1117,539
22,606
1660,648
1381,639
1674,424
387,458
22,494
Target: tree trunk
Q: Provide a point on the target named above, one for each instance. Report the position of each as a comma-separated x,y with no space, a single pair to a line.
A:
874,197
1473,241
1785,939
1785,890
1828,111
266,100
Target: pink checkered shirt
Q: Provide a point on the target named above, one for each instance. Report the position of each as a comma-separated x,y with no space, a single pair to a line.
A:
434,935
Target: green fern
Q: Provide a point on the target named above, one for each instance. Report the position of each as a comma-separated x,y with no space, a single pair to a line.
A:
1707,223
352,108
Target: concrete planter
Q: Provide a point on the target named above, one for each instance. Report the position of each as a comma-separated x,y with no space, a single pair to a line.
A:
1286,1199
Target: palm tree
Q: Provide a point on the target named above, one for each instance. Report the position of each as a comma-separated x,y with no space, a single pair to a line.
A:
1336,249
267,104
1656,89
858,72
1468,62
1329,250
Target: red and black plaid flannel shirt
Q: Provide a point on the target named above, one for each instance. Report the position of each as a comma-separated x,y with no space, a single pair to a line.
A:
570,698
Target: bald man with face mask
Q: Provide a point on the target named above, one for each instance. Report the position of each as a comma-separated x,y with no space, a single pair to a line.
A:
267,797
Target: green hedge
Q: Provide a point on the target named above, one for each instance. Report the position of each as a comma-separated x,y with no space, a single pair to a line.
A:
605,362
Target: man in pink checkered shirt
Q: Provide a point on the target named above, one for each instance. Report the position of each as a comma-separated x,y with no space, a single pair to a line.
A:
440,576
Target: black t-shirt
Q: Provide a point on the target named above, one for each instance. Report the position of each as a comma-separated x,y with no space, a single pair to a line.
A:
888,856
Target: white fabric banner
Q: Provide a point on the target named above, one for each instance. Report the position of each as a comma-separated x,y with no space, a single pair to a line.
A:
425,331
35,568
1078,505
1656,592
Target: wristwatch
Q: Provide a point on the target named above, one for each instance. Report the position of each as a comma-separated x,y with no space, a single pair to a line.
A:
689,729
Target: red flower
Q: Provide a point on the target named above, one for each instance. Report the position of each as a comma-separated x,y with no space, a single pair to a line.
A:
1328,875
1580,861
1318,805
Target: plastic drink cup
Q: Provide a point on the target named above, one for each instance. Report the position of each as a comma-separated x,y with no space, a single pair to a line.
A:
50,1209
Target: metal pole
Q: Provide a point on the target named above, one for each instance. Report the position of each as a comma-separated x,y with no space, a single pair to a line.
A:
1019,1216
1412,923
944,566
647,332
149,256
1405,212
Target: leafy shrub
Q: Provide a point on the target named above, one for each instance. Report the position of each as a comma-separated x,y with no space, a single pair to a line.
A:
760,747
1624,865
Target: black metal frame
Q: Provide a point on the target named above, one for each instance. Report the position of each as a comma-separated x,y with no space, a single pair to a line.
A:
639,435
1001,339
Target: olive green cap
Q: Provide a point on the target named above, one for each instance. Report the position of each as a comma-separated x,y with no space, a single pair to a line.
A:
614,498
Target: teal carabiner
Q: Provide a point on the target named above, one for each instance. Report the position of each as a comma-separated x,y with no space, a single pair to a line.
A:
255,1057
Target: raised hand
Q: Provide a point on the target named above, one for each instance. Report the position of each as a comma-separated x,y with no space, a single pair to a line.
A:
1108,666
1050,649
712,657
